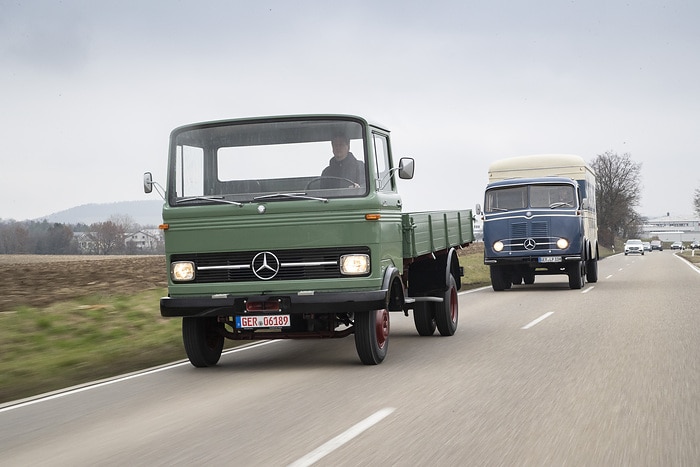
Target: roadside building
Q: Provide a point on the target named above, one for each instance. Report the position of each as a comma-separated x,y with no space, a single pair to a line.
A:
144,240
670,228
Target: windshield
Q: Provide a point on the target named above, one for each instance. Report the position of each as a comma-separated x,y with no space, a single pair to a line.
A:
530,196
235,163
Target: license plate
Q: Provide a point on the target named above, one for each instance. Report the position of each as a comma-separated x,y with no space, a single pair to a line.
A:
268,321
549,259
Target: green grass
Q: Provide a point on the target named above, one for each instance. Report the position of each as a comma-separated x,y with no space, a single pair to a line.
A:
689,256
476,273
74,342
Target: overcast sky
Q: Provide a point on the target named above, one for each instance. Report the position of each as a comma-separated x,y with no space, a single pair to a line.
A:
89,90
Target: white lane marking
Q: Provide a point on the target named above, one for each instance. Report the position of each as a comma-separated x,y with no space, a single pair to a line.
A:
690,265
609,276
118,379
543,317
589,289
620,269
474,290
342,438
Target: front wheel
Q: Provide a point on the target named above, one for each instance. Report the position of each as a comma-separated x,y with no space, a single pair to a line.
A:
372,336
447,312
529,277
592,270
203,339
576,275
500,278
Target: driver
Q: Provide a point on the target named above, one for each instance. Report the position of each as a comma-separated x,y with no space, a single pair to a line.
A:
343,170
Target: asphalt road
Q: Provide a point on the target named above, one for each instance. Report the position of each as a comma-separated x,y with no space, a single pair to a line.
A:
537,375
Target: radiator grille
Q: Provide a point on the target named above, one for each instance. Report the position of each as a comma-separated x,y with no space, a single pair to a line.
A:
315,263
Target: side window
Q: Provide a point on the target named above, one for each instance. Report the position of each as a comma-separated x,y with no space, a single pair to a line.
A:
381,156
189,172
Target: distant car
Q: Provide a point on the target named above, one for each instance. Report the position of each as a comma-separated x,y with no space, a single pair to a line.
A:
647,246
677,246
695,244
634,245
657,245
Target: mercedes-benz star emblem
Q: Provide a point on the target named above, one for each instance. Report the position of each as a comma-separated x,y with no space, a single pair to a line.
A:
529,244
265,265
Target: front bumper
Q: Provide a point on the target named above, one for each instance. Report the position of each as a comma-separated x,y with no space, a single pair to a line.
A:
310,302
531,260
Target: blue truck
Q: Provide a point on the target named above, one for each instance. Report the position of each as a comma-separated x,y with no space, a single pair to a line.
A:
539,218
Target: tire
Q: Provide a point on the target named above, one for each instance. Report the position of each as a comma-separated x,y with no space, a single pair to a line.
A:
372,336
424,318
500,280
529,277
447,312
575,272
203,340
592,271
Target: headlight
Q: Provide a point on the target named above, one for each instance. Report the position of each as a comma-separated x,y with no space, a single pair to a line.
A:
354,265
498,246
562,243
182,271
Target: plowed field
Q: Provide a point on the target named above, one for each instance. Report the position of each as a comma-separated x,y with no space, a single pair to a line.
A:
39,280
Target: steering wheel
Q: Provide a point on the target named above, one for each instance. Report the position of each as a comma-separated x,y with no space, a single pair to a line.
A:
328,177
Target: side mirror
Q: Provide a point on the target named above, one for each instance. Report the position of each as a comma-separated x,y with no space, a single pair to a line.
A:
478,209
406,168
584,203
147,182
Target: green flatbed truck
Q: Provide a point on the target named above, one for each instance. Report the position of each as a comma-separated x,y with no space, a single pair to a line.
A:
291,227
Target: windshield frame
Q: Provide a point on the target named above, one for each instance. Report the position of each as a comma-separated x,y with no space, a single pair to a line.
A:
261,149
516,197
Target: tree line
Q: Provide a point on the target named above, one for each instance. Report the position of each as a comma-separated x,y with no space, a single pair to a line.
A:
50,238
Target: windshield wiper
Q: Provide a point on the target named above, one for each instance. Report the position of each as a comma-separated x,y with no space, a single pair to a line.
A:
290,195
560,204
218,199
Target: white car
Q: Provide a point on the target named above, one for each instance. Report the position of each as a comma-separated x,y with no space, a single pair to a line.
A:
634,245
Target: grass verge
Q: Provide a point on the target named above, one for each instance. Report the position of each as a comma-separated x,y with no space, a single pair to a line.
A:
690,255
73,342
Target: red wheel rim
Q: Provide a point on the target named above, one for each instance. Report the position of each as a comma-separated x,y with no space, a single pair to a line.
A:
453,305
381,327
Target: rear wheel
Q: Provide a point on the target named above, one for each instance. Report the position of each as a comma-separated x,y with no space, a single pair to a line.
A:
424,318
203,340
447,312
372,336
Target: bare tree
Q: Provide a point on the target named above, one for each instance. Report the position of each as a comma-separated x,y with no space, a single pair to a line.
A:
618,192
125,221
108,236
696,202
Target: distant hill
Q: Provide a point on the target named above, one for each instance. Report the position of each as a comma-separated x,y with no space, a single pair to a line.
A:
145,213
